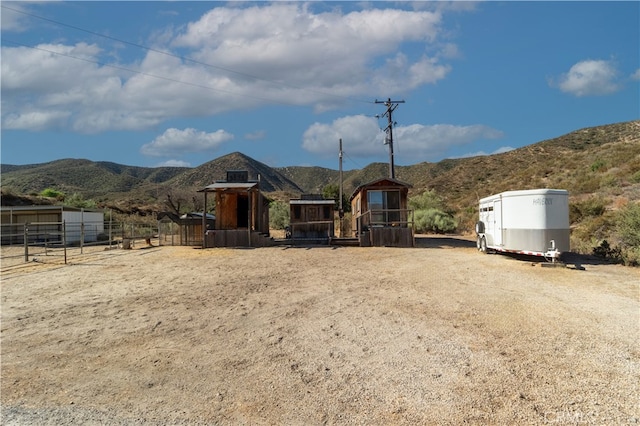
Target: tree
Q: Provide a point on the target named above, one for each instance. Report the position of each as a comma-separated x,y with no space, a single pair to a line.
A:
278,215
332,191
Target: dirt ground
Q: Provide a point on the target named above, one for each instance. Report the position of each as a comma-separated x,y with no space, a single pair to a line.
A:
438,334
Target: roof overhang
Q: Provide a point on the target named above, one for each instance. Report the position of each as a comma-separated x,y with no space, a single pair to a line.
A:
312,202
230,186
392,183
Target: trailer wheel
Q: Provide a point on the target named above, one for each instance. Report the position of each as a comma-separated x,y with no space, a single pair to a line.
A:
478,246
483,245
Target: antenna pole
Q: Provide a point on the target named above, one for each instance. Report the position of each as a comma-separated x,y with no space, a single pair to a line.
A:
391,106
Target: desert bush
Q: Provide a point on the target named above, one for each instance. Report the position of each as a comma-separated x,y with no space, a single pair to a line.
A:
631,257
591,207
590,231
278,215
430,214
425,201
77,200
597,165
434,220
628,225
606,251
52,193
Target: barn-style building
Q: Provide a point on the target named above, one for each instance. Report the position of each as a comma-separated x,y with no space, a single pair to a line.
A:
380,214
242,212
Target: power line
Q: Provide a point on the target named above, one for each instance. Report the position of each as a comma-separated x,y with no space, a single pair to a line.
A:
182,58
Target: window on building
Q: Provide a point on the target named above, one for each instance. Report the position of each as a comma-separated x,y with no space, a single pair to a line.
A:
384,206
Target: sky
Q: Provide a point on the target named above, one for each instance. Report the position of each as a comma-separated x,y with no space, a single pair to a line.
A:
182,83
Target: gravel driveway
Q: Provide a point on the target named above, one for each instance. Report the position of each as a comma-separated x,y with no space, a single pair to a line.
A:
437,334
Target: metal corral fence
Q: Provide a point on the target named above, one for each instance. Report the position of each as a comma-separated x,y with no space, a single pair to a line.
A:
56,241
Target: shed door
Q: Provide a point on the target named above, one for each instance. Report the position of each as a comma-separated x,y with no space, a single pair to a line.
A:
497,215
242,211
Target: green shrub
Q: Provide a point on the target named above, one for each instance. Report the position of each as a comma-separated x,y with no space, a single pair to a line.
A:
77,200
425,201
52,193
605,251
433,220
598,165
333,191
628,225
278,215
631,257
636,177
591,207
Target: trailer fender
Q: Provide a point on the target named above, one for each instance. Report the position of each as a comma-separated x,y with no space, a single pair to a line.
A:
479,227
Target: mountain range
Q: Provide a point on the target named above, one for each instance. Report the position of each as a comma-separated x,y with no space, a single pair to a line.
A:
602,161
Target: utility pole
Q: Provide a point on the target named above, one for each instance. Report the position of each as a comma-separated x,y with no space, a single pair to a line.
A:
341,208
391,106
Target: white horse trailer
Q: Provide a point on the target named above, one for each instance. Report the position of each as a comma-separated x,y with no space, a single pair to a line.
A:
533,222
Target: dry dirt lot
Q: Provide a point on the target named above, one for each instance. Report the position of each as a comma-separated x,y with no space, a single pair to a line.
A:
438,334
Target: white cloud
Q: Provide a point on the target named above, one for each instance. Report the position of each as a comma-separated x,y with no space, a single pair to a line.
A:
254,136
362,137
360,134
36,120
174,163
589,78
636,75
280,53
174,142
11,17
500,150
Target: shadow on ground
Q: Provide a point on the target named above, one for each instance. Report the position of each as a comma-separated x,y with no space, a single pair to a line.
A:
447,241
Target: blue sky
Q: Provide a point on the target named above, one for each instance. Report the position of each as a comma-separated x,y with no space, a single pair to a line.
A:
182,83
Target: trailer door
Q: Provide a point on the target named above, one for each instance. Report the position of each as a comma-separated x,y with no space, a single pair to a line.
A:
497,228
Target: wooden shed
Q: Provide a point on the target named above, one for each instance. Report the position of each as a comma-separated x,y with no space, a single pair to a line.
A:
242,212
311,218
380,214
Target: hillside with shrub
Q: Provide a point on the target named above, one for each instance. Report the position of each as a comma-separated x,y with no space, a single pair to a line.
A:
599,166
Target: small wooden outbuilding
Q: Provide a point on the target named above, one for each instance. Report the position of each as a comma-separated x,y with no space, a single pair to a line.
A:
311,218
380,214
184,230
242,212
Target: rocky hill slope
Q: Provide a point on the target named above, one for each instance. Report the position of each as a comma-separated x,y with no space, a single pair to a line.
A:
601,161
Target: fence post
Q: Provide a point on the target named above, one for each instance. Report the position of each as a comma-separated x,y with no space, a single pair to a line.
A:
64,240
82,237
110,227
26,242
